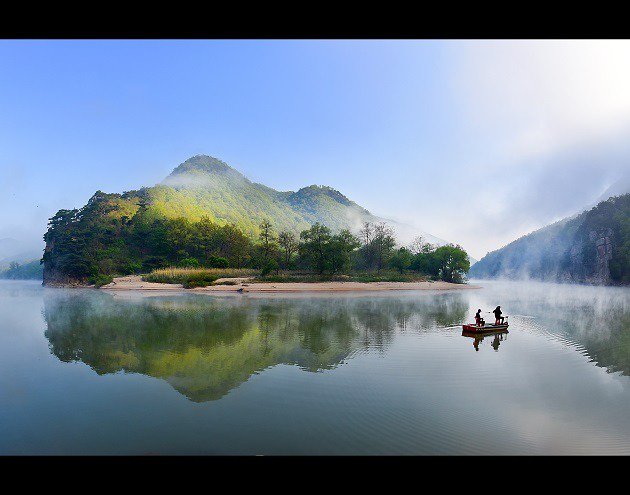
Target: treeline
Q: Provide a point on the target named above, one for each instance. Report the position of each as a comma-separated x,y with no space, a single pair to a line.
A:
373,250
105,238
31,270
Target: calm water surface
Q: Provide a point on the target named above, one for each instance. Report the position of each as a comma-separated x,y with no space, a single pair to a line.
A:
85,371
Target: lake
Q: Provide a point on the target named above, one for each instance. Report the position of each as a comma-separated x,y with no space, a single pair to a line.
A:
91,372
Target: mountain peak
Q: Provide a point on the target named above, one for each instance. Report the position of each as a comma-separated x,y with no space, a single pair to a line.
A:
202,163
315,190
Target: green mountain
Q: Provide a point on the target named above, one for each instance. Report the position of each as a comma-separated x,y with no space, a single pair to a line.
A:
592,247
125,233
204,185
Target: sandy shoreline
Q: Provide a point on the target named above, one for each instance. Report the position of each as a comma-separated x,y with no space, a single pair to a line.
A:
135,283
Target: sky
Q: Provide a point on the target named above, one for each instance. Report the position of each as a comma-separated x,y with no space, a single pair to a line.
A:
476,142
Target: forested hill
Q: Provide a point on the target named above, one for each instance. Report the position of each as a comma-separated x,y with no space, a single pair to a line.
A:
206,186
204,208
592,248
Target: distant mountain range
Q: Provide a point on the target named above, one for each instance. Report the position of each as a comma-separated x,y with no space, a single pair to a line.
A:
592,247
13,250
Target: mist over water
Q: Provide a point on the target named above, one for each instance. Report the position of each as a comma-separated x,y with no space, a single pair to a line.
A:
85,371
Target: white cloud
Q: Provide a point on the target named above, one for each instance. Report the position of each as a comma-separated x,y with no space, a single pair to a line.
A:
540,96
554,117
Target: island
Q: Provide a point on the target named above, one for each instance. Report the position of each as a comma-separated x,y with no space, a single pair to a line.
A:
207,226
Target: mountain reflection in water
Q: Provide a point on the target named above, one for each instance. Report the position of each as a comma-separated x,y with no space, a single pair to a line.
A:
92,372
206,346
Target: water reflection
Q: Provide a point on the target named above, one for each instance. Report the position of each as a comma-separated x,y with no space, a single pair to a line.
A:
368,374
496,337
205,346
594,320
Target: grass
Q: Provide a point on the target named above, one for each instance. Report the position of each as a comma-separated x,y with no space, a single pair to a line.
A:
196,277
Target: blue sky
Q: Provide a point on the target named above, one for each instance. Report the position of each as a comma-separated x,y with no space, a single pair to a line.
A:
408,129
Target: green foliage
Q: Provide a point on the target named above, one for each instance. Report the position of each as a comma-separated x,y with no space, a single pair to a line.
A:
340,250
217,262
105,238
83,243
131,268
322,252
452,262
189,263
377,248
99,280
449,263
314,247
201,280
205,186
271,265
401,260
288,245
153,263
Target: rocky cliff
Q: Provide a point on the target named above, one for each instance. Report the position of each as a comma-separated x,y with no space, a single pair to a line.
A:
591,248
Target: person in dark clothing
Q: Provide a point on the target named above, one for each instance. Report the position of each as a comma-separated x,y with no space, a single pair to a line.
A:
478,319
497,315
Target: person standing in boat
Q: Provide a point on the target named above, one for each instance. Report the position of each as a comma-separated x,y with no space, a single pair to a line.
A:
478,319
497,315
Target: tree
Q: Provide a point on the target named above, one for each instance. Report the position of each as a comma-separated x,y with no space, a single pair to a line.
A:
269,266
340,248
179,238
401,260
418,245
238,246
366,233
314,247
383,242
206,238
289,245
267,239
453,263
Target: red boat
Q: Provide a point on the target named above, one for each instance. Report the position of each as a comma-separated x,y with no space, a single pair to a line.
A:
472,328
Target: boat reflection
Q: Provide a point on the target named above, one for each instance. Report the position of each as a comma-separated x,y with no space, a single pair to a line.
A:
478,337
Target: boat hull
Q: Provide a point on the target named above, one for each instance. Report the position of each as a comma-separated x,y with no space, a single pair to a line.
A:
485,328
